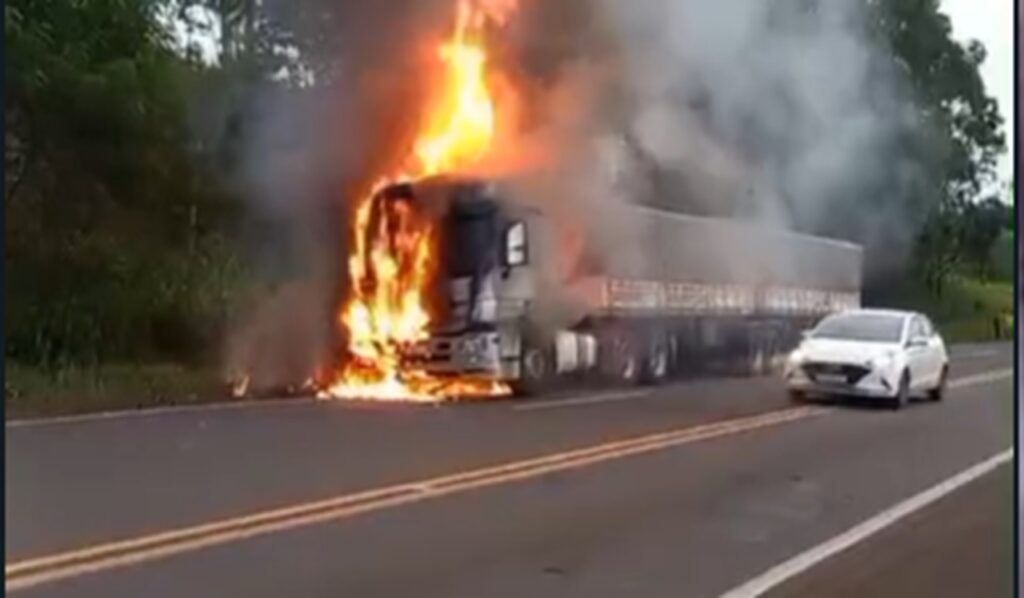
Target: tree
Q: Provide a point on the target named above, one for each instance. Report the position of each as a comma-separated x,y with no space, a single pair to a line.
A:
107,218
960,135
983,223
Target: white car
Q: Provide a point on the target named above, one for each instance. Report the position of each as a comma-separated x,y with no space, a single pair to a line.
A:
883,354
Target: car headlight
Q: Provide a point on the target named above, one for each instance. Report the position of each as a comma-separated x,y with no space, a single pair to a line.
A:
882,361
797,357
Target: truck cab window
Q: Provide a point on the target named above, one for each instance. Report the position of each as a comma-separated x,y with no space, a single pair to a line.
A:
515,244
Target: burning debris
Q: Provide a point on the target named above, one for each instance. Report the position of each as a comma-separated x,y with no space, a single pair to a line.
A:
394,254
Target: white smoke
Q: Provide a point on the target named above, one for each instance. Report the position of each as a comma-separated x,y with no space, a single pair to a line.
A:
786,112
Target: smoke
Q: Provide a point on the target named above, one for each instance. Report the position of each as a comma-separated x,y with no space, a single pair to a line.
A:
290,236
787,113
305,153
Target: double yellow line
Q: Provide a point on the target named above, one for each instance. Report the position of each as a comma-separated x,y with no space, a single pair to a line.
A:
110,555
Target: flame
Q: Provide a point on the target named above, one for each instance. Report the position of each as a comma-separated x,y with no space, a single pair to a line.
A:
394,252
240,386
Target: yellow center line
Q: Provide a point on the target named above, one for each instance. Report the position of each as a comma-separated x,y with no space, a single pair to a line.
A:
109,555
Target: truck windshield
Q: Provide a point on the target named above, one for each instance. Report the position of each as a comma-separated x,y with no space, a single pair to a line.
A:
872,328
471,240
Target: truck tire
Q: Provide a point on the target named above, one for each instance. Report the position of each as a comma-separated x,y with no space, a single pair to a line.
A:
757,361
620,360
656,360
762,351
536,370
749,359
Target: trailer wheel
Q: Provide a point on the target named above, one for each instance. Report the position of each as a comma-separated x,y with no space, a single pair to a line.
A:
656,360
759,356
620,360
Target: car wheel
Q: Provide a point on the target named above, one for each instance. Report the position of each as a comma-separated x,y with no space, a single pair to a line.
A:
797,396
902,397
936,394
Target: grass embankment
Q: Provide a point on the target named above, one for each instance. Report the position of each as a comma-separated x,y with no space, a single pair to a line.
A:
31,392
967,309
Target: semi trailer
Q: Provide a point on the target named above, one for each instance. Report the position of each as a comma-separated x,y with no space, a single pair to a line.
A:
526,296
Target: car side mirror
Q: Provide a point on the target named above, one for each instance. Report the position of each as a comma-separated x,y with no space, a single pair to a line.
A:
515,250
805,334
917,342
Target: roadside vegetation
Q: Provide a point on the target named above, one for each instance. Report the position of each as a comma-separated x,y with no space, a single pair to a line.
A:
38,392
973,301
124,259
971,309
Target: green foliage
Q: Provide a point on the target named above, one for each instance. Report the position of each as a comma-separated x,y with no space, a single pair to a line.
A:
1001,258
115,241
33,392
962,133
949,91
965,312
983,224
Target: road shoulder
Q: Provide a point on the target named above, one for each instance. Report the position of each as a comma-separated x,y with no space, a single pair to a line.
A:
962,545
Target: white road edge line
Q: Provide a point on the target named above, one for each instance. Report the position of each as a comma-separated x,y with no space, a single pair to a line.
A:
586,400
982,378
805,560
975,354
149,411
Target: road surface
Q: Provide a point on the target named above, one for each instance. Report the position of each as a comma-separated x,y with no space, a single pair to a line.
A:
696,489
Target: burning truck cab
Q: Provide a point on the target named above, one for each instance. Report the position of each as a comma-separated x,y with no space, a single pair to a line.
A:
480,281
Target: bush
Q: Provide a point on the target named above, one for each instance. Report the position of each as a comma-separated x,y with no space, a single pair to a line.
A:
86,307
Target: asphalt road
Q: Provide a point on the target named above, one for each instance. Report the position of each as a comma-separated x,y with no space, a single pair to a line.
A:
557,497
956,547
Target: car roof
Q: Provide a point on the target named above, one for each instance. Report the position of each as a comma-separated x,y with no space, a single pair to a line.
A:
898,313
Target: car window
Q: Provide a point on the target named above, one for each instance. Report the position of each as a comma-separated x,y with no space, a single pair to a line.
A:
923,328
918,329
879,328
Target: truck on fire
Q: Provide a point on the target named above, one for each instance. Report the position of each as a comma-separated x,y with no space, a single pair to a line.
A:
689,293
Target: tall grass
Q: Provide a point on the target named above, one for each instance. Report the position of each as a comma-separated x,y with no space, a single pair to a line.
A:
966,311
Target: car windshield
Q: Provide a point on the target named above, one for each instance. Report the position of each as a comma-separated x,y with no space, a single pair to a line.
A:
874,328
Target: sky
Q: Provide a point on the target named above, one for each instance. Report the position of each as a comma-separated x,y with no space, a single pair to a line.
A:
991,23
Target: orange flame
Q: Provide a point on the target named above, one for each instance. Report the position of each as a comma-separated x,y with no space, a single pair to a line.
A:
394,249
